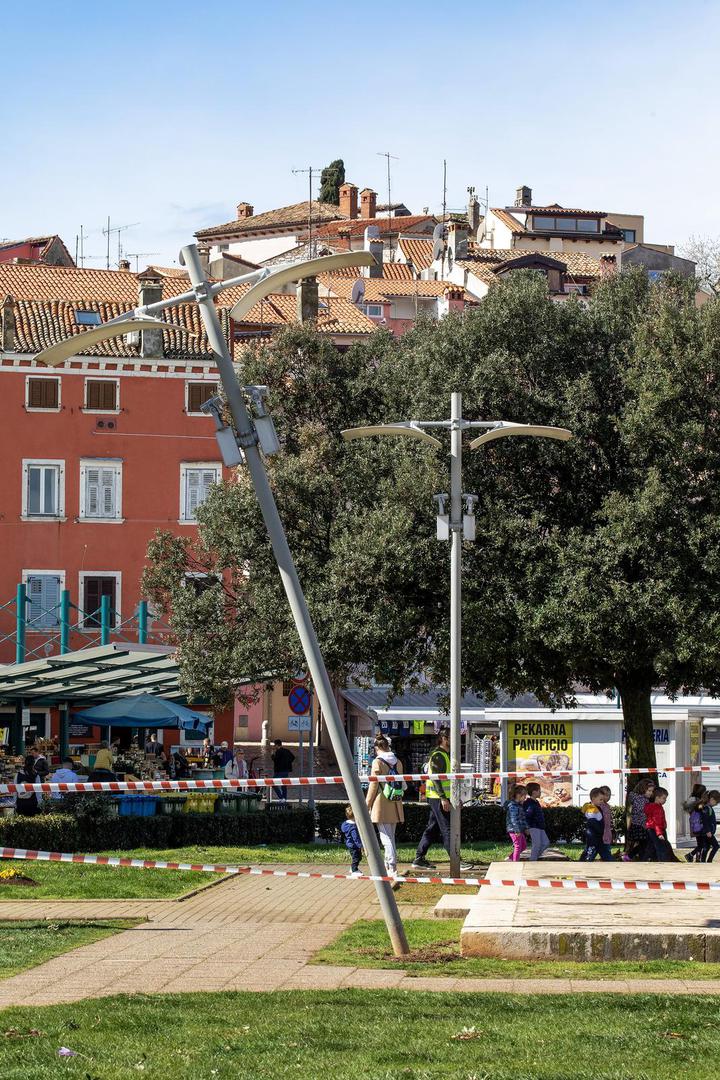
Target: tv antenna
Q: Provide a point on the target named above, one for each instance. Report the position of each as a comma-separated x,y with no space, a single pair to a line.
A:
119,229
388,157
137,255
311,171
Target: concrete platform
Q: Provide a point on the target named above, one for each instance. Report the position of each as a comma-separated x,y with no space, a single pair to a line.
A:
513,922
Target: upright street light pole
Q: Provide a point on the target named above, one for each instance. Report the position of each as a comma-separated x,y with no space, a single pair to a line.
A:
458,525
244,443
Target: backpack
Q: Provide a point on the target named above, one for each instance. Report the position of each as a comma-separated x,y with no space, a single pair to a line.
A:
393,789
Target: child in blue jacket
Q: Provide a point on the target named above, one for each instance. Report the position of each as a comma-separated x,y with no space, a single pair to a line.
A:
352,839
516,822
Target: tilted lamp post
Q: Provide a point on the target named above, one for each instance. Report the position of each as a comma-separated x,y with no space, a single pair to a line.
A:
251,435
458,525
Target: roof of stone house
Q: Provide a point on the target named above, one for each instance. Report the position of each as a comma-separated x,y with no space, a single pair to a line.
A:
417,251
555,209
167,271
301,252
297,214
377,289
507,219
484,262
390,272
357,226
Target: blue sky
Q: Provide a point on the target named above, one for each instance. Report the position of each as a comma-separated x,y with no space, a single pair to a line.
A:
144,113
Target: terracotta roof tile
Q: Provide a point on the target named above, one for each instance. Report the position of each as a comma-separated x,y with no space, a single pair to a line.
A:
39,282
357,226
507,219
377,289
483,262
417,251
297,214
390,272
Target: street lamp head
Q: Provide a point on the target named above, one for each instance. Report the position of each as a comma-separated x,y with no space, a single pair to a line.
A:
505,429
310,268
402,428
58,354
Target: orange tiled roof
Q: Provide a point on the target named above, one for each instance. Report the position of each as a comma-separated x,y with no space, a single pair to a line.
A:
284,216
377,290
390,272
417,251
167,271
39,282
357,226
507,219
483,262
557,210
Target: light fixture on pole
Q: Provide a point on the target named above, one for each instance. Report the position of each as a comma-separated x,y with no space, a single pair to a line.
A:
253,434
456,522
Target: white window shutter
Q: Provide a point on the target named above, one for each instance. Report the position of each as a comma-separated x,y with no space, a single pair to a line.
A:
107,490
92,492
192,492
209,476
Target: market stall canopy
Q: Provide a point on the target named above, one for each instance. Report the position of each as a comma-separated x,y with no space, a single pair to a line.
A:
145,711
95,674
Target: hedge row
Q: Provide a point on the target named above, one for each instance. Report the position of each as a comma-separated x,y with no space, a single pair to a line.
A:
478,822
65,832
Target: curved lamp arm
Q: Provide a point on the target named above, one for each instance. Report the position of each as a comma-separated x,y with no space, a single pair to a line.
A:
402,428
273,281
521,429
58,354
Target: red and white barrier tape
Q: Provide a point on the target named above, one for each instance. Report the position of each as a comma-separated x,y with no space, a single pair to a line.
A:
213,868
255,783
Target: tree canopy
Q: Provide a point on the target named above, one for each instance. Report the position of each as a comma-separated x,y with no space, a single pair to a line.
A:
596,563
331,179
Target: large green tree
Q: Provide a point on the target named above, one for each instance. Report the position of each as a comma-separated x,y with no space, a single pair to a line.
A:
331,179
597,562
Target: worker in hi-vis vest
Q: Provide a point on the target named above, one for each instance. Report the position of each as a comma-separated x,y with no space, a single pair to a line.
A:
438,798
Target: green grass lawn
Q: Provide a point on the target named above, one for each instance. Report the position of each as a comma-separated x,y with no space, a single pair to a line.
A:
63,881
28,943
347,1034
435,950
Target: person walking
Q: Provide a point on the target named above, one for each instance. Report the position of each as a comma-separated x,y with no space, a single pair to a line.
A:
535,818
384,800
657,844
710,826
689,806
635,830
282,760
437,793
353,841
607,836
592,813
516,822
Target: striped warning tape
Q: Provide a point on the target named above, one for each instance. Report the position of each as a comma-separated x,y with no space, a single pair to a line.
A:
253,783
221,868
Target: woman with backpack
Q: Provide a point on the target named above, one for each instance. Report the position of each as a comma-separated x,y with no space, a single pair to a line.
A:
384,800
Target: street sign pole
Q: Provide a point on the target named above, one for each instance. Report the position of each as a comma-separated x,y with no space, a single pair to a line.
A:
301,754
311,750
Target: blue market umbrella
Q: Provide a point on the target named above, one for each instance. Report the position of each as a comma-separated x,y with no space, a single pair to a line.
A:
145,711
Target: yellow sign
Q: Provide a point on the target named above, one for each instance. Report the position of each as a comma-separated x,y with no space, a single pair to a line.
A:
418,727
543,746
695,733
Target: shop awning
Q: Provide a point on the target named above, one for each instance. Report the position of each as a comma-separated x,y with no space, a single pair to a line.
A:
89,675
145,711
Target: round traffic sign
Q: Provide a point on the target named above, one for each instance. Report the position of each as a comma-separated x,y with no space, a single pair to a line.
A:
299,700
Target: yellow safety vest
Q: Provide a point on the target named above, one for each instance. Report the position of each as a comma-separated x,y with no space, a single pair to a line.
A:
439,762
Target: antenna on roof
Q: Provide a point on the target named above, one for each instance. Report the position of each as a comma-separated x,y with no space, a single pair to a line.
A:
310,170
137,255
388,157
444,214
116,229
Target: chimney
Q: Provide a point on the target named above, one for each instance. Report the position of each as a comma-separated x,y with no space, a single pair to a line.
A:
457,241
124,264
455,298
348,200
245,210
608,265
8,324
307,300
473,212
149,292
368,203
374,245
523,196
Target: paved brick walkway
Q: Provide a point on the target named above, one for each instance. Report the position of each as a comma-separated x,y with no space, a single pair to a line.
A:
246,933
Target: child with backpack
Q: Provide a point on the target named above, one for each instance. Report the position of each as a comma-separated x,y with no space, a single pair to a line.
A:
516,822
698,830
384,799
535,817
594,826
689,806
353,841
710,843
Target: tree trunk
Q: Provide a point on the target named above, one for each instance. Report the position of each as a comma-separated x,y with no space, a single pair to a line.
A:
637,715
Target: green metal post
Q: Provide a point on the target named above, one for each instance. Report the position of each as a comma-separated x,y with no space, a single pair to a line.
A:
65,621
142,615
20,622
104,620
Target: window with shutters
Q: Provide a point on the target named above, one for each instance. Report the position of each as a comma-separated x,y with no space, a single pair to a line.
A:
100,489
195,482
92,589
43,588
197,394
43,489
42,393
102,395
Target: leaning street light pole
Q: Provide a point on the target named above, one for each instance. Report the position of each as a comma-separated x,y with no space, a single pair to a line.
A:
457,525
251,434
